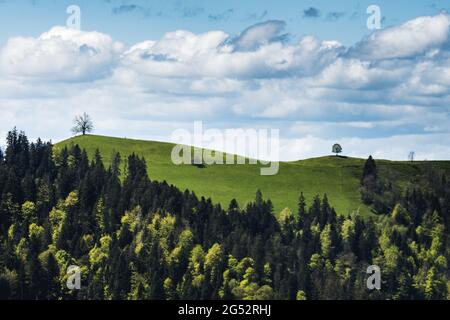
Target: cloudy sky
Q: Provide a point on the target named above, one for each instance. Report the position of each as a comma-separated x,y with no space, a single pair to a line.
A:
311,69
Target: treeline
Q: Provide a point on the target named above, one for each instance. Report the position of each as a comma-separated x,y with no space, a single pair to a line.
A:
135,238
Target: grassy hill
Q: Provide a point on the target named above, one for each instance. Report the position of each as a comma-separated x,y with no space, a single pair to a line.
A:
338,177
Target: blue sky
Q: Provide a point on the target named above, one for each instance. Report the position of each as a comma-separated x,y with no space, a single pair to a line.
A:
131,21
312,69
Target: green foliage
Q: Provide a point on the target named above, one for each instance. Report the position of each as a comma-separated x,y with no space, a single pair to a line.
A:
136,238
29,212
300,295
99,254
325,241
401,216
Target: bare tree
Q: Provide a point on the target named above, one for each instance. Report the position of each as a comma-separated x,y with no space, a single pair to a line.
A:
411,156
83,124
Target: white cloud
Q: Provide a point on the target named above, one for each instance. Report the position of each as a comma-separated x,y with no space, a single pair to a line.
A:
391,89
259,35
61,54
412,38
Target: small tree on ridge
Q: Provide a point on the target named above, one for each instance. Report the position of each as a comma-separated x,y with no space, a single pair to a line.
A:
336,149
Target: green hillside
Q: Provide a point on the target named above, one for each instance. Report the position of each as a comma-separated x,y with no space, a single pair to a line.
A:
338,177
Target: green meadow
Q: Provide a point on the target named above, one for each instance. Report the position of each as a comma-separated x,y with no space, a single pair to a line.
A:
338,177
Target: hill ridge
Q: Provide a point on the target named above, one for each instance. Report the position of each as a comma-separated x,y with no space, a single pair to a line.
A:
338,177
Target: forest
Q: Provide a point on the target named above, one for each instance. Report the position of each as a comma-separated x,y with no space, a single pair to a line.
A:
135,238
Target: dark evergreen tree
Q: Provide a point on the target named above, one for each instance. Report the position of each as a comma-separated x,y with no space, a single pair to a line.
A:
136,238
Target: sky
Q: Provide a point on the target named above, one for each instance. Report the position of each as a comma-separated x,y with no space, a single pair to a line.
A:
312,69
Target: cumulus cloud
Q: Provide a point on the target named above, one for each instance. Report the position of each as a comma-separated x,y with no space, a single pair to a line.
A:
259,34
61,54
387,94
260,51
415,37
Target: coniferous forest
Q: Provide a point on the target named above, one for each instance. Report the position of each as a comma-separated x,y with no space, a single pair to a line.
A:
136,238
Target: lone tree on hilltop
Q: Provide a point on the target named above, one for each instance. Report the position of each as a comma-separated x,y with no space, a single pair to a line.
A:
83,124
336,149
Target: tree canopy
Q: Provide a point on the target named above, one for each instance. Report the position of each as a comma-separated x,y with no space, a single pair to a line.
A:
135,238
336,149
82,124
